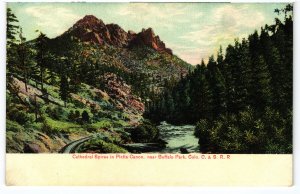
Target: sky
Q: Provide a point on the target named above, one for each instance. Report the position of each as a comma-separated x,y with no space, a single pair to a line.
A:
194,31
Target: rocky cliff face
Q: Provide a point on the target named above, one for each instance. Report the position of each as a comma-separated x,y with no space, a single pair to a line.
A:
92,29
119,90
118,36
148,38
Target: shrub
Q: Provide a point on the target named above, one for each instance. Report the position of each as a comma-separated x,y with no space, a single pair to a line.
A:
100,146
90,128
77,103
120,123
77,114
274,148
13,126
201,128
18,115
46,128
144,133
112,148
97,116
74,116
56,112
85,116
71,116
202,132
51,125
102,124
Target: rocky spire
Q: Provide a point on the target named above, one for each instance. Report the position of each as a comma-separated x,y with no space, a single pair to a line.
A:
92,29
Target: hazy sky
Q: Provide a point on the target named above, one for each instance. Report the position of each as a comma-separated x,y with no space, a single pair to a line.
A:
192,30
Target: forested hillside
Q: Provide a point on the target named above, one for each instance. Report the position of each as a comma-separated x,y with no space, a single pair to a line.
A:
97,88
241,101
92,80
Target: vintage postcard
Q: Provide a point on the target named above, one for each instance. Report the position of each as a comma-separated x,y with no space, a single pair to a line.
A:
149,94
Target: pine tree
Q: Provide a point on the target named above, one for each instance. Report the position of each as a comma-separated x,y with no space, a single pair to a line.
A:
261,84
185,101
11,41
11,27
41,57
277,71
170,106
217,85
64,84
241,73
64,87
228,71
283,40
220,57
51,62
23,58
260,93
202,104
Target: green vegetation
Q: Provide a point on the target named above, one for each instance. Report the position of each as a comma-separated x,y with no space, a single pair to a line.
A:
56,89
145,133
13,126
100,146
103,124
246,133
61,126
242,101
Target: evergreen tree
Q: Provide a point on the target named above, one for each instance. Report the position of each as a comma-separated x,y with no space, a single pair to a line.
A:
11,41
23,58
277,71
41,57
85,116
50,77
260,92
64,87
185,101
11,27
220,57
170,106
261,85
243,99
228,71
241,73
217,86
201,95
64,84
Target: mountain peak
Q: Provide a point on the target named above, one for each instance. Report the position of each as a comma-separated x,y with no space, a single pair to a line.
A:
90,17
92,29
89,21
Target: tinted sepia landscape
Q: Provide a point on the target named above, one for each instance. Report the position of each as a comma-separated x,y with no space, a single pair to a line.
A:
98,87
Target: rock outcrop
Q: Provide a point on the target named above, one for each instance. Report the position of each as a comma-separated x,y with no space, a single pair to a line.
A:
118,36
92,29
121,92
148,38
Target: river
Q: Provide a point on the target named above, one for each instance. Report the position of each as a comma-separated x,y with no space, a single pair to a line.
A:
178,137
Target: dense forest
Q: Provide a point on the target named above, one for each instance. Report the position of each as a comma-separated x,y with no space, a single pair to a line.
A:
63,89
241,101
